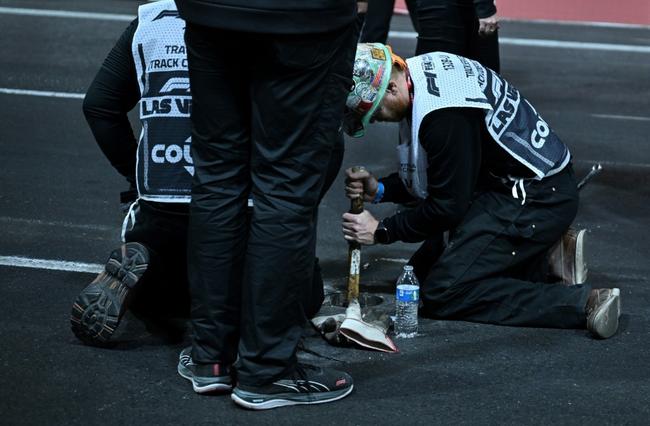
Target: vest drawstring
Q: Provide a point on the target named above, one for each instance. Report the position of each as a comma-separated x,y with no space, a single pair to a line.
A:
130,216
518,183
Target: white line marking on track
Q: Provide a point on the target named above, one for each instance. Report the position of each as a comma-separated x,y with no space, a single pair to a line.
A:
529,42
621,117
43,93
548,21
65,14
18,220
532,42
393,34
54,265
579,23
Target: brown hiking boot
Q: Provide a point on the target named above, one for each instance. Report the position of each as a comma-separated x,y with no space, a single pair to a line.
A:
603,310
566,258
99,308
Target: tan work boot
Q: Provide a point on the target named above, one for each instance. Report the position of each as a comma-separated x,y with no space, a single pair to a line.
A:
566,258
603,310
99,308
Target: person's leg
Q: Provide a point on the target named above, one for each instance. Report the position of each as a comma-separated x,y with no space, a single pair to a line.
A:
474,278
426,256
444,25
377,22
300,85
163,292
486,51
411,5
98,310
218,70
161,298
315,295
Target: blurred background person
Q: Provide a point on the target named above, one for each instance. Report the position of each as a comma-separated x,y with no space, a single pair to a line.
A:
463,27
376,22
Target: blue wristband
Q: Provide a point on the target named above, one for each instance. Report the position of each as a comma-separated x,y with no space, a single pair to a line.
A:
380,193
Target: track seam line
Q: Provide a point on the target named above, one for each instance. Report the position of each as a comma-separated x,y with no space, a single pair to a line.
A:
533,42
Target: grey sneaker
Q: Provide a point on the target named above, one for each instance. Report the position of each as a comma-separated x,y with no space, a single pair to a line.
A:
603,311
307,385
97,311
204,377
566,258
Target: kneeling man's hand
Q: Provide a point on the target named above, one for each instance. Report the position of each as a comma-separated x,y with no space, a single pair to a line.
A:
360,183
360,227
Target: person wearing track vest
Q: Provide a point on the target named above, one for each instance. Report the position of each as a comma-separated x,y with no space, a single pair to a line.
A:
490,190
147,69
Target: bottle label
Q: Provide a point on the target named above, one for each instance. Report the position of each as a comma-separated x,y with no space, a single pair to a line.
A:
408,293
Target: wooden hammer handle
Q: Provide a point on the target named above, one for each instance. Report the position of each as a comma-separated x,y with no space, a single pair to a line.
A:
356,204
354,252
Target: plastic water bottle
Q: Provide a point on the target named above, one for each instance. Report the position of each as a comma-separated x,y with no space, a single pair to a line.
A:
407,298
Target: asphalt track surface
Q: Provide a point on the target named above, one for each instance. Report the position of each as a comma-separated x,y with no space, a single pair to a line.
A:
59,202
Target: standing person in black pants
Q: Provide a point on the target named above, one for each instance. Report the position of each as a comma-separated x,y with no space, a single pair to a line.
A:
269,82
464,27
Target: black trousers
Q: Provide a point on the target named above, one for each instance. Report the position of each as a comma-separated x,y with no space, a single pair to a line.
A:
377,20
452,26
492,269
162,291
266,114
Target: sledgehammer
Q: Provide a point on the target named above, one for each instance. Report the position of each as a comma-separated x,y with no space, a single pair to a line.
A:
353,327
354,256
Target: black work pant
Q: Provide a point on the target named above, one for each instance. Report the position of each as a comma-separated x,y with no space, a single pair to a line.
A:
452,26
377,20
266,113
492,269
162,292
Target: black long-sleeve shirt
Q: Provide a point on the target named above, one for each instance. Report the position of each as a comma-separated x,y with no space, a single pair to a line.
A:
460,152
112,94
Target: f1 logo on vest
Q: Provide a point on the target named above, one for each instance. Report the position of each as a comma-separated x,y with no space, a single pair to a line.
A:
173,154
174,84
432,88
167,14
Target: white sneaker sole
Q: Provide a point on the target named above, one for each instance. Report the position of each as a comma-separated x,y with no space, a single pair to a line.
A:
275,403
603,323
580,265
198,388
